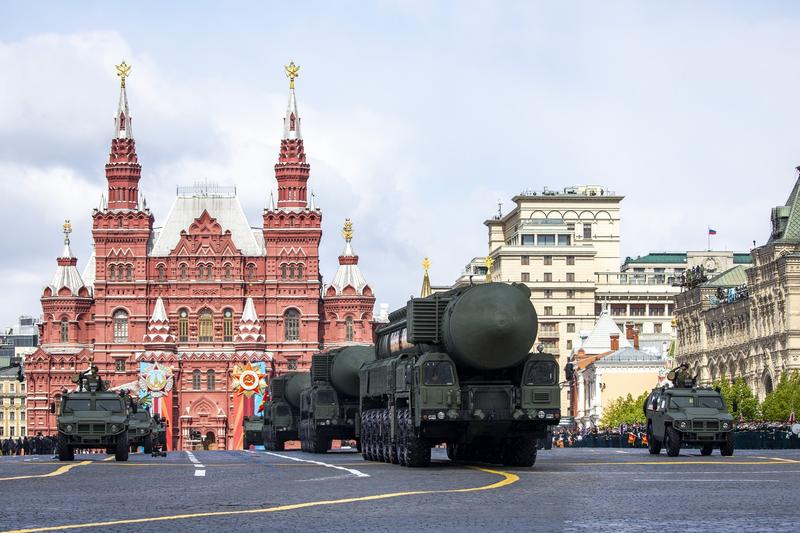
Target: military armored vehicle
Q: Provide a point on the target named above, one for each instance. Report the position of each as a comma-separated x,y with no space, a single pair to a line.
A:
93,417
159,436
329,408
455,368
140,430
253,431
687,414
282,411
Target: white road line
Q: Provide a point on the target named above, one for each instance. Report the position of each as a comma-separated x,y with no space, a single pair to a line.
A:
200,473
353,471
198,465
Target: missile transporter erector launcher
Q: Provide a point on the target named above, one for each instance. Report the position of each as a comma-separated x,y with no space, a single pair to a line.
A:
282,411
329,408
455,368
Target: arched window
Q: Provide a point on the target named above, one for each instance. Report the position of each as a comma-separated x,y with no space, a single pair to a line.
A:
251,271
64,330
184,271
162,273
195,379
228,271
291,271
183,325
129,273
348,328
227,325
283,271
299,271
112,270
201,271
291,322
121,326
206,326
209,272
210,378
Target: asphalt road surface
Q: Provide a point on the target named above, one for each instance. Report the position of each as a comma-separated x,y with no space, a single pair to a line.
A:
568,490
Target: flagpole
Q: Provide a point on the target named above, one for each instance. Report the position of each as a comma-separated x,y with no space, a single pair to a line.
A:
708,236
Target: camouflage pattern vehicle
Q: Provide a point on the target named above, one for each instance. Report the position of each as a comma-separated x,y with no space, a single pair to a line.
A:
687,414
455,367
253,431
282,411
93,417
329,408
140,430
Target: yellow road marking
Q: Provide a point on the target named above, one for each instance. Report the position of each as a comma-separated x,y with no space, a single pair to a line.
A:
57,472
508,479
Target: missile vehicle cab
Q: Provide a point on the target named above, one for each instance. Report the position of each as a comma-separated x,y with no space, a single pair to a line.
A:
253,431
687,414
455,368
329,408
282,411
93,417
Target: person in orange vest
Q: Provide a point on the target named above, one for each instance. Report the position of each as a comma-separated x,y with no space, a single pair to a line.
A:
631,439
644,439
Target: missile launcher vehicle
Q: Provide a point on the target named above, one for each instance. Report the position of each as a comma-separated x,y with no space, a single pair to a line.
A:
253,431
455,368
282,411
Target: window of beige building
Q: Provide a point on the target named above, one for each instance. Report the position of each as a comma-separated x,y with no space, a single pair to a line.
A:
548,276
570,327
524,260
587,231
657,327
548,260
637,309
525,276
570,310
570,293
548,293
570,260
571,276
548,310
569,344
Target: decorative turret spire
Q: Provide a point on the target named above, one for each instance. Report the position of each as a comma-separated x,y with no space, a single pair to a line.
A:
249,327
123,170
292,171
348,272
488,262
67,274
158,327
426,280
271,201
67,253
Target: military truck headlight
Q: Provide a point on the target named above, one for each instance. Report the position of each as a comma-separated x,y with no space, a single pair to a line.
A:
726,425
541,414
440,415
68,428
114,427
682,424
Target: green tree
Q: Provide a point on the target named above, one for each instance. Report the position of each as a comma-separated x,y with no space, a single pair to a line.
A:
779,404
624,410
739,399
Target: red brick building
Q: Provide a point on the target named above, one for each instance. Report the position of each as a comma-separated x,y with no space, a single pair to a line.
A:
199,294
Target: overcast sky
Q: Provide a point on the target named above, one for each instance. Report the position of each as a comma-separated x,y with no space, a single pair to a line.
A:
417,118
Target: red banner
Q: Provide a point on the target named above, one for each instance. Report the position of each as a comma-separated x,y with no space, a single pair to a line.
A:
237,425
165,405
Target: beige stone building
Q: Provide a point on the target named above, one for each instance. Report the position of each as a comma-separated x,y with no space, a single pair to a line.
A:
556,242
12,404
745,321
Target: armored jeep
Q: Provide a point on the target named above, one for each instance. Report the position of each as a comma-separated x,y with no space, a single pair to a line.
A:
141,427
687,414
159,436
93,417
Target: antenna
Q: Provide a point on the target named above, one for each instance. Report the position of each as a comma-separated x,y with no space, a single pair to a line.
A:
499,208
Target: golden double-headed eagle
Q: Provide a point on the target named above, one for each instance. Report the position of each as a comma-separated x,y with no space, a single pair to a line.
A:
292,72
347,230
123,71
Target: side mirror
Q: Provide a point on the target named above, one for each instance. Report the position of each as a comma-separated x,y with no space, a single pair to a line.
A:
569,371
52,408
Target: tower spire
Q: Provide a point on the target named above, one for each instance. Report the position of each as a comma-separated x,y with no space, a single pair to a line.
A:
123,170
292,171
426,280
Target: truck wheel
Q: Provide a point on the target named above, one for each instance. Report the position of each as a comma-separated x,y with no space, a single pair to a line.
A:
401,437
707,449
148,444
726,448
378,425
653,444
65,451
317,443
520,452
122,447
390,445
672,441
278,444
418,452
364,436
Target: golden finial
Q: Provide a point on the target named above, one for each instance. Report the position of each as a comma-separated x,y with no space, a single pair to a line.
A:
123,71
426,265
426,280
488,262
67,230
347,230
292,72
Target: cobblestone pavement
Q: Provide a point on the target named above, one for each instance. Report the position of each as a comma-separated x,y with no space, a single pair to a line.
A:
567,490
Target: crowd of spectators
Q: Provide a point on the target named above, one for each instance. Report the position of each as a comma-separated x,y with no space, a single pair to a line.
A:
38,445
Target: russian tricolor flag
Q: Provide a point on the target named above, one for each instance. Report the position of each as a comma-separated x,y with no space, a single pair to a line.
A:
712,231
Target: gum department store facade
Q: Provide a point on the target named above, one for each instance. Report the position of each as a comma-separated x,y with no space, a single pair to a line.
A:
745,322
202,293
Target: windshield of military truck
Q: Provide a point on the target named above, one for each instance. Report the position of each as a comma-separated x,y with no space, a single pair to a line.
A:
325,397
541,373
437,373
708,402
83,404
282,410
114,406
141,415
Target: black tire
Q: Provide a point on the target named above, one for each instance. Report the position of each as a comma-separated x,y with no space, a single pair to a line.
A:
726,448
653,444
707,449
122,447
418,451
379,445
278,444
520,452
148,444
317,443
672,440
401,437
364,436
65,451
